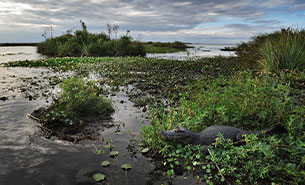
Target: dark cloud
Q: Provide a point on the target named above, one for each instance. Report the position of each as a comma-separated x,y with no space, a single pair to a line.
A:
139,15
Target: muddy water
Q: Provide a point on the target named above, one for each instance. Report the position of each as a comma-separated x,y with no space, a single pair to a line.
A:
15,53
28,158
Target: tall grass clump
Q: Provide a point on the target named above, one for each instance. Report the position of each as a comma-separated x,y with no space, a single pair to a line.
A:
281,44
287,52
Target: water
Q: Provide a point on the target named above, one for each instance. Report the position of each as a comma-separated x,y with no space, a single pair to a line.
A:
16,53
27,158
198,51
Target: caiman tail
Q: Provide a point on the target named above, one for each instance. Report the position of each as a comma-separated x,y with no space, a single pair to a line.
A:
277,129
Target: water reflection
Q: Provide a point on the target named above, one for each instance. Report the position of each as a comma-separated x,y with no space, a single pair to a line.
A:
15,53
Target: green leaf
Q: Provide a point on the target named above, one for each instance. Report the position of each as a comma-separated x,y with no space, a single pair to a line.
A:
198,156
105,163
145,150
170,172
114,153
141,144
100,152
126,166
99,177
108,146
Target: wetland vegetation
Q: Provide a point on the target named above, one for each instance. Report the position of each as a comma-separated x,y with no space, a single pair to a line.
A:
261,87
82,43
165,47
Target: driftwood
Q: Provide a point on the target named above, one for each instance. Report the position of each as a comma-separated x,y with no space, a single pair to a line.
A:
37,122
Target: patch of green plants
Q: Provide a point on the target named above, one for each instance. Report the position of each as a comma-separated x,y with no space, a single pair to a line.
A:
284,53
198,93
78,99
82,43
243,100
164,47
281,49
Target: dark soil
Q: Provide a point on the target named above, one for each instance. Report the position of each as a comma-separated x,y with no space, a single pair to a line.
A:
85,128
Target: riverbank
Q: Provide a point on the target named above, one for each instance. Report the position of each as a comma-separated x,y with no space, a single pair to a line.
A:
157,86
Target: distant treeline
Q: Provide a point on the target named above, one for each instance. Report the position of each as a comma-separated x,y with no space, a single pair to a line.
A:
19,44
165,47
83,43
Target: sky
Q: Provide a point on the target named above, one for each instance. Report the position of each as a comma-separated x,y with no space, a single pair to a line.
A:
195,21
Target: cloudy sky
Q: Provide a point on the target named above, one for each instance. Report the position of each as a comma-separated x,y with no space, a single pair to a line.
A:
205,21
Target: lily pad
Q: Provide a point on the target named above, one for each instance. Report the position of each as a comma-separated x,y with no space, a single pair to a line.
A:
141,144
108,146
145,150
114,153
105,163
99,177
100,152
126,166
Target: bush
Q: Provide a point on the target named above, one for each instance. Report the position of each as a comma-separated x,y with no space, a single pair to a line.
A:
83,43
286,52
277,46
78,99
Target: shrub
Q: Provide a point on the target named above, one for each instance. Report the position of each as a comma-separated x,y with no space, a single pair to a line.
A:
83,43
285,52
287,41
76,100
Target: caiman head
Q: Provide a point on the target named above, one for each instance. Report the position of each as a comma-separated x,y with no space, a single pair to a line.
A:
179,134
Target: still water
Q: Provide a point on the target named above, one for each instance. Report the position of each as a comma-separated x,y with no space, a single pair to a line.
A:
197,51
16,53
28,158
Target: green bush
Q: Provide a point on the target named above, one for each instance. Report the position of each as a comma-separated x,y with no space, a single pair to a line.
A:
286,52
78,99
165,47
83,43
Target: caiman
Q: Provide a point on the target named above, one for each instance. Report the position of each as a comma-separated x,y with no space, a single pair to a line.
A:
209,135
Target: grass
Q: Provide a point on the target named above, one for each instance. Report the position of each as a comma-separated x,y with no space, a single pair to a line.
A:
159,47
276,45
286,52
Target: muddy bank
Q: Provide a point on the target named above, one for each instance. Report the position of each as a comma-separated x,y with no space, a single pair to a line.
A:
85,128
